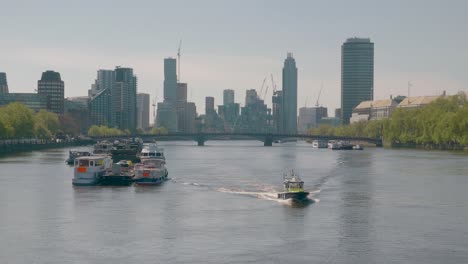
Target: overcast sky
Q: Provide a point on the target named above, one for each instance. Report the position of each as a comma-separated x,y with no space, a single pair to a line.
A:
236,44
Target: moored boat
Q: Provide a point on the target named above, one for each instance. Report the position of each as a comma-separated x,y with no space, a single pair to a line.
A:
152,151
73,154
102,148
319,144
150,171
89,170
293,188
121,174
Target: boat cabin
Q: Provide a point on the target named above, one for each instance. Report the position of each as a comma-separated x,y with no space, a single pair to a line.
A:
92,163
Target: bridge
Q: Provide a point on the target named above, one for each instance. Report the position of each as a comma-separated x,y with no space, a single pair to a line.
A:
266,138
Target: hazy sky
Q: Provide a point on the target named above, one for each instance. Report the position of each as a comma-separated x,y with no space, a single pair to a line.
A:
236,44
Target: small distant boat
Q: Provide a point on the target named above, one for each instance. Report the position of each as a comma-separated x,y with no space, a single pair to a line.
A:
294,188
122,174
319,144
339,145
151,171
73,154
358,147
89,170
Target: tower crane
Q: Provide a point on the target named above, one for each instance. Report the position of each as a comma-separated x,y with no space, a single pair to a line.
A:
318,97
261,89
273,84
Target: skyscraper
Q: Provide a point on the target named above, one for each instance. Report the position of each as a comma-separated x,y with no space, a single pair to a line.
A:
167,110
52,87
278,123
105,80
170,80
3,83
124,101
357,74
143,106
209,105
228,97
290,95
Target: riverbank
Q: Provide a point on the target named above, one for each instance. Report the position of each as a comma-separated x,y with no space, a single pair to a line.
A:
16,146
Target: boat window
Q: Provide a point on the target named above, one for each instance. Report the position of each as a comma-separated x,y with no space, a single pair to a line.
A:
158,154
91,163
151,154
76,163
84,163
99,162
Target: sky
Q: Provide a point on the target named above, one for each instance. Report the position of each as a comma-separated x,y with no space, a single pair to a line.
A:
236,44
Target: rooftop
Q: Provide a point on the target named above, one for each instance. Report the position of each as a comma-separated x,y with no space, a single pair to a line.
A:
376,104
418,100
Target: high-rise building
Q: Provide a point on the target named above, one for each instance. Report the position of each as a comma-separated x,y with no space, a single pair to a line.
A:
309,117
168,110
34,101
250,96
181,92
278,123
357,74
209,105
228,96
167,117
3,83
52,87
290,95
143,106
170,80
124,99
100,108
105,80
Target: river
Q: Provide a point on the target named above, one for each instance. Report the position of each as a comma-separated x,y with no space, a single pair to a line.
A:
371,206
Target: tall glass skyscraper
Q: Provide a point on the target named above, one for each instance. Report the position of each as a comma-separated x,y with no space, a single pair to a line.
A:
170,80
290,95
357,74
124,99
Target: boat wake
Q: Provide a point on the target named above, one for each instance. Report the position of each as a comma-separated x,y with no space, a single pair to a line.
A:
272,196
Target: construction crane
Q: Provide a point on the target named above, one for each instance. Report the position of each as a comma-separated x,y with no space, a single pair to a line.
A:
318,97
273,85
178,61
261,89
266,91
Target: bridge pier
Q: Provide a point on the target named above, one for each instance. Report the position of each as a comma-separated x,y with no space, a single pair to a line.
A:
268,142
200,140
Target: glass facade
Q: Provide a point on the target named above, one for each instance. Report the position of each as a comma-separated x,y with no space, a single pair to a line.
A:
357,75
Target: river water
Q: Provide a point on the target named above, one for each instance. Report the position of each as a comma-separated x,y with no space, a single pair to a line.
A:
371,206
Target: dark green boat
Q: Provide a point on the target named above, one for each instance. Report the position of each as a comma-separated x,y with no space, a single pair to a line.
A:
294,188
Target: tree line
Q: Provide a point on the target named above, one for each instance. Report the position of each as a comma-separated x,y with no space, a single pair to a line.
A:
442,122
19,121
104,131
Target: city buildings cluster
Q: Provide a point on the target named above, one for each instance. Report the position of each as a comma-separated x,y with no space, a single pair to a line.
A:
113,100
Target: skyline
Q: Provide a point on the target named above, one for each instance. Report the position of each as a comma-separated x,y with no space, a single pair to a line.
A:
231,54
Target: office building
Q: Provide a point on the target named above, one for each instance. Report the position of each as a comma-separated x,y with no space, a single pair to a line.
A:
34,101
124,99
228,97
3,83
143,109
290,95
105,80
278,123
170,80
357,74
167,117
309,117
53,88
100,108
209,105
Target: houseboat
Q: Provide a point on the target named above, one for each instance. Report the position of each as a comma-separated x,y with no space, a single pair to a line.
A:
89,170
